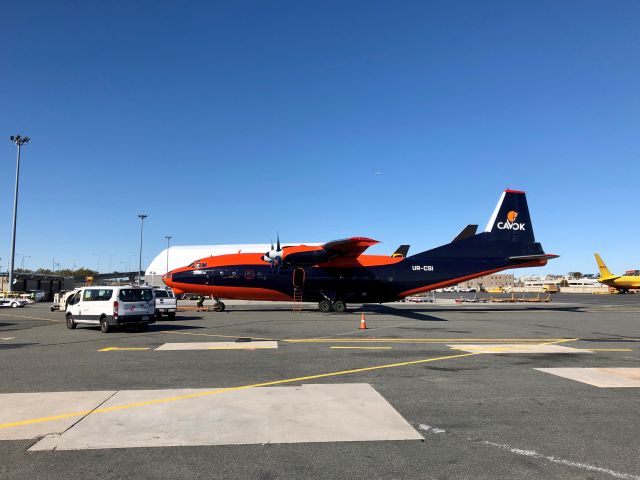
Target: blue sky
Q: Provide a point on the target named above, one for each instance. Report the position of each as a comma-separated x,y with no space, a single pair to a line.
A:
227,122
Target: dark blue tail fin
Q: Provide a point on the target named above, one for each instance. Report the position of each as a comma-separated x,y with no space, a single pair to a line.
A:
511,220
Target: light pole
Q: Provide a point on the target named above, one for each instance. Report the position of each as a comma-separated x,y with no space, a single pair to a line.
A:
22,262
168,237
97,255
141,216
19,141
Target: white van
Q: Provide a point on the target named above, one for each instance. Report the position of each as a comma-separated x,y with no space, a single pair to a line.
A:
111,306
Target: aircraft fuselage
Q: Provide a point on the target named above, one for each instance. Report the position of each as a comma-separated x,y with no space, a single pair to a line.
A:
367,278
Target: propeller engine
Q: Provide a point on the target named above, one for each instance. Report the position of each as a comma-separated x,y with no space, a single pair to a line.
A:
275,254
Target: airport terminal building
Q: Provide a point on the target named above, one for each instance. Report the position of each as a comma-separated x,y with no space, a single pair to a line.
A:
496,280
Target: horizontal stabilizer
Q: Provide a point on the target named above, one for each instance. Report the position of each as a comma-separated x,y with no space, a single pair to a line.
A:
468,231
533,258
609,278
401,251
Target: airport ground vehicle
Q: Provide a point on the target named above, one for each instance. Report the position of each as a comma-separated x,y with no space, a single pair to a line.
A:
110,306
37,295
13,302
166,302
338,272
60,299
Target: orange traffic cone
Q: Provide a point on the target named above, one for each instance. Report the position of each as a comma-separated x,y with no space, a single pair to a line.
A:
363,323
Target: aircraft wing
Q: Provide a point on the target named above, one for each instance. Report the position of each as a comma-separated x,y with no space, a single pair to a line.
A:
349,247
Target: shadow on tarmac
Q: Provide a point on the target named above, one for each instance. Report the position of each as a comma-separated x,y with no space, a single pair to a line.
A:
9,346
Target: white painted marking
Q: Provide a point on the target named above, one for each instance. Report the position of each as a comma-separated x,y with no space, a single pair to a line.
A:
534,454
430,429
7,338
599,377
516,348
560,461
218,346
307,413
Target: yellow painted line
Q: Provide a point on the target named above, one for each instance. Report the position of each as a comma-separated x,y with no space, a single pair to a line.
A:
226,390
221,336
111,349
31,318
365,348
422,340
609,349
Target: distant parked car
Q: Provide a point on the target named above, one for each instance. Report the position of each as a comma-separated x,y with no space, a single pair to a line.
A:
37,295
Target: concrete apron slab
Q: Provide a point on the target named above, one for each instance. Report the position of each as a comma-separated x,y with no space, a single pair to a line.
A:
16,407
599,377
516,348
218,345
307,413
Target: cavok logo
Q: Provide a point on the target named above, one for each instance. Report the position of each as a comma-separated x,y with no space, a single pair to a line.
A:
511,224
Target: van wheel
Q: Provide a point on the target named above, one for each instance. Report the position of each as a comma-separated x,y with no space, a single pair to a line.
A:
171,315
71,324
144,327
14,305
104,325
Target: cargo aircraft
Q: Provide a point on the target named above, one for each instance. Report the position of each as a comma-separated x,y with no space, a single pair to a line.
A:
623,283
338,272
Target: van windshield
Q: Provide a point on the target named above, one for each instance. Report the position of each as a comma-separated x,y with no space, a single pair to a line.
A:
135,294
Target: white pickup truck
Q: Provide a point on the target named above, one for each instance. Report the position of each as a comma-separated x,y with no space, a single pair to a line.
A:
166,303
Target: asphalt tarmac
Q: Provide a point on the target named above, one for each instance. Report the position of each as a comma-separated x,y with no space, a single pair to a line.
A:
440,390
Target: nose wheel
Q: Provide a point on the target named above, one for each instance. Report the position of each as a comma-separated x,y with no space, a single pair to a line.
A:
325,306
218,306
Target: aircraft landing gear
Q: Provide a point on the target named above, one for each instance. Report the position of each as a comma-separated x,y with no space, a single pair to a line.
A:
218,306
339,306
325,306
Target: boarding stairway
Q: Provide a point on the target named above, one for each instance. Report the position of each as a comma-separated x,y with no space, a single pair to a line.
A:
297,299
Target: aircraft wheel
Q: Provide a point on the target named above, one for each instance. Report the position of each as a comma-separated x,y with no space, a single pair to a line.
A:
339,306
324,306
219,307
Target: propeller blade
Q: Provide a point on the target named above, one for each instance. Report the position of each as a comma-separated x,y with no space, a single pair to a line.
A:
279,242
